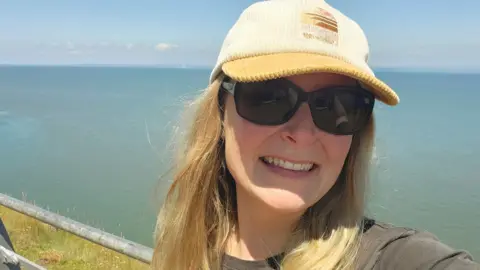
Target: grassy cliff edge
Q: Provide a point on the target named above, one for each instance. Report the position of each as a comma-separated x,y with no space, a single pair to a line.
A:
56,249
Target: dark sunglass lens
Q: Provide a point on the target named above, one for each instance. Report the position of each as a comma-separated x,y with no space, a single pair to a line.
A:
265,103
342,111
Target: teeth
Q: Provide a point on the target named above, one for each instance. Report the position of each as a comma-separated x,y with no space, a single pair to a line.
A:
288,165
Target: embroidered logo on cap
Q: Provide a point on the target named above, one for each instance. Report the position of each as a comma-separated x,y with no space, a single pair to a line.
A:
320,25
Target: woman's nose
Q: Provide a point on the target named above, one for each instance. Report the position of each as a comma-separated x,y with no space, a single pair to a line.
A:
301,129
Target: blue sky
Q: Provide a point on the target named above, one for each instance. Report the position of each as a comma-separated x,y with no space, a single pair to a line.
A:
402,33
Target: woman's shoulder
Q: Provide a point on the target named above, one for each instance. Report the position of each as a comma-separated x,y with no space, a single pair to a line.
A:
386,246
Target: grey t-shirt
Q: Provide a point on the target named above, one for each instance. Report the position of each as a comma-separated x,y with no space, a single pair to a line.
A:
384,246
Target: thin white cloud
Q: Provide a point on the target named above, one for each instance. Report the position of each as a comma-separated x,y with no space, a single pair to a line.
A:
70,45
89,45
129,46
165,46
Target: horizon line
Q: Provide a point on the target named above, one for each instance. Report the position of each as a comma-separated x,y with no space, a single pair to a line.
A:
412,69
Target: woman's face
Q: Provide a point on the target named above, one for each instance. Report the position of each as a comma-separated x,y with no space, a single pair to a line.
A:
249,148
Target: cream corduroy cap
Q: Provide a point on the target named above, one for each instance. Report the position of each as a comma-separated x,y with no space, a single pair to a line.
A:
279,38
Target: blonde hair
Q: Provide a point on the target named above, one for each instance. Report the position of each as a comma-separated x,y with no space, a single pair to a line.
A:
198,214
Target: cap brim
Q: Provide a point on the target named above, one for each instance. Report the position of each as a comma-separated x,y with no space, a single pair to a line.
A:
271,66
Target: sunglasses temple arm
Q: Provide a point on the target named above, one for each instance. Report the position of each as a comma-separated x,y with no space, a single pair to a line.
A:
229,86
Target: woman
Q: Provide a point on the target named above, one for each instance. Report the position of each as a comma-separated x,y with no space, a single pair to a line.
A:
274,167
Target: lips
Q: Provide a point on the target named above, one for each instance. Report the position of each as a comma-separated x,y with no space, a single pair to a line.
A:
289,165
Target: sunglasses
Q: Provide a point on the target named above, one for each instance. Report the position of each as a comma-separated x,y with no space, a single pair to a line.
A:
339,110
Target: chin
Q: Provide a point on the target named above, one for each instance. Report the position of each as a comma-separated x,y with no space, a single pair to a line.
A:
283,200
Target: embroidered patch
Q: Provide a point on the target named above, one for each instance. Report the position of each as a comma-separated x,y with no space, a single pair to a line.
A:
320,25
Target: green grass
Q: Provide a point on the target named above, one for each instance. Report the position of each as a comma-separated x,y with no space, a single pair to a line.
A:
56,249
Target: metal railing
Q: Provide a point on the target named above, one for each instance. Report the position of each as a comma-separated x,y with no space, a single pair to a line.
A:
97,236
11,258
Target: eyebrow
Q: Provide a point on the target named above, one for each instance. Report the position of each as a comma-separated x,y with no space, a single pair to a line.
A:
317,86
349,81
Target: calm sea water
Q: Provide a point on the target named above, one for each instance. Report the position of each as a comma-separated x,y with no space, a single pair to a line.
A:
91,144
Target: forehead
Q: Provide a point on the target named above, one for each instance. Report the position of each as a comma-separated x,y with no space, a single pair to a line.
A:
311,81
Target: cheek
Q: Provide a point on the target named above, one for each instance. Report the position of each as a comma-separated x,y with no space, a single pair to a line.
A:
242,142
337,148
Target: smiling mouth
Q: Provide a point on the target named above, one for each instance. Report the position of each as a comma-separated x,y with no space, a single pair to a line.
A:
287,165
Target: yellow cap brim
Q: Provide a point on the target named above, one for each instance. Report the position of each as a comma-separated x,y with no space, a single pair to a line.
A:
271,66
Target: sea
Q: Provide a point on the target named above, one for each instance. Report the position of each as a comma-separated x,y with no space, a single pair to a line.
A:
95,144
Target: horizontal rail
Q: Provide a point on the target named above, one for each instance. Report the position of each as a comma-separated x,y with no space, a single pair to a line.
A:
113,242
12,258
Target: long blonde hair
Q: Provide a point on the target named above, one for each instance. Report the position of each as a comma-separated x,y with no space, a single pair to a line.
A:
198,213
